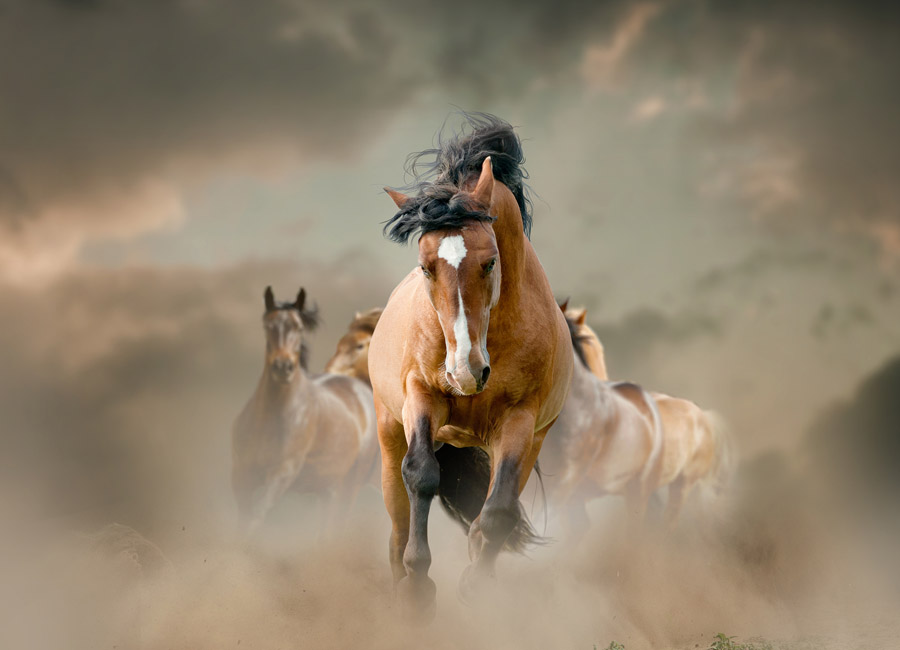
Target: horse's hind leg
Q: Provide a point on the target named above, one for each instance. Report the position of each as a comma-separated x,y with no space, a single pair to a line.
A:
577,522
677,492
637,497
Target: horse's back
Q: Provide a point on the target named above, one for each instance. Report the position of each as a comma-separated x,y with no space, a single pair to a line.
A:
343,428
629,437
346,402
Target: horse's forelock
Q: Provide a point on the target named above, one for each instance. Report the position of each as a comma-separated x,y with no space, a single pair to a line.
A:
442,171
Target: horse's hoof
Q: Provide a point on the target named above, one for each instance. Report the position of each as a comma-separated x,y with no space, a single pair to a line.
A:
418,599
471,585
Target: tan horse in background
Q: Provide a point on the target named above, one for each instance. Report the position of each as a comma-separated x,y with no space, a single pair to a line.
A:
300,432
697,448
351,357
470,362
608,440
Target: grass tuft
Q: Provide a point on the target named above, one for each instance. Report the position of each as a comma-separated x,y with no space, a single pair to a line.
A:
722,642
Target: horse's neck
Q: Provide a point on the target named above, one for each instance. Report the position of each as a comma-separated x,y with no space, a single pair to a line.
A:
511,244
606,397
584,382
280,400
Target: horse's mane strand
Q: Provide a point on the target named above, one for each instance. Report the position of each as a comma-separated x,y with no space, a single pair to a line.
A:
578,340
440,173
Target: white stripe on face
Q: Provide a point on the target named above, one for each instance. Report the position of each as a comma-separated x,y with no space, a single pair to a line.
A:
461,332
452,249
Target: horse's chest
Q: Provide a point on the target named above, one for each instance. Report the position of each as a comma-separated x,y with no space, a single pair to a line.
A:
459,436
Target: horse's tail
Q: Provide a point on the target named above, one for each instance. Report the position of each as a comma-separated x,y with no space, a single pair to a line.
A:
465,478
721,473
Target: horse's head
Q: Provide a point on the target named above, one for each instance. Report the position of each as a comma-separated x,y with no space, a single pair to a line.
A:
285,324
594,355
461,270
352,354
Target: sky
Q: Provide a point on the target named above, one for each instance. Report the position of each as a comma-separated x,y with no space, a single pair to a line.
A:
714,181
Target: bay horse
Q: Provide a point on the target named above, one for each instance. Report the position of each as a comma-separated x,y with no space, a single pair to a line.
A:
300,432
608,440
470,361
352,354
697,447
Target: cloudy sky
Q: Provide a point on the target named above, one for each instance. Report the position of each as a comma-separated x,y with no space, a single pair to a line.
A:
714,180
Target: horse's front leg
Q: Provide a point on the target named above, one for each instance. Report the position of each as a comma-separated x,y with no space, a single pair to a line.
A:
276,484
422,417
515,449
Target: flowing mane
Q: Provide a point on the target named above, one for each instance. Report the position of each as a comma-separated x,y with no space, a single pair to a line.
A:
440,174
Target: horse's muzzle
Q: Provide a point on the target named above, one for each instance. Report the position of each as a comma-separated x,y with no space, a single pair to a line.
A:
283,369
470,381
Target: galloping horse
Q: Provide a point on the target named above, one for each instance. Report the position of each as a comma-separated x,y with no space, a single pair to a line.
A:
697,448
352,354
608,440
470,362
309,434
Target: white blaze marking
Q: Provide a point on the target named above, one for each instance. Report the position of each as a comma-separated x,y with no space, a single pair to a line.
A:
452,249
461,331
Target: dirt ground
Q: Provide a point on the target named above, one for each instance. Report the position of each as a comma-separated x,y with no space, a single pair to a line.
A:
797,587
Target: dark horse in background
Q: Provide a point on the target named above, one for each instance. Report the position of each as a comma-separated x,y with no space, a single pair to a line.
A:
300,432
470,362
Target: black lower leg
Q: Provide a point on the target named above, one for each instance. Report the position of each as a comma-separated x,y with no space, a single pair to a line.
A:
500,515
422,476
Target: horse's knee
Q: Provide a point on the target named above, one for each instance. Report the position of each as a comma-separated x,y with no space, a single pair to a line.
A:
420,469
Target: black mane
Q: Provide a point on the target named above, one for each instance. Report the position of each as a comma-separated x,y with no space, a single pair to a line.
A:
440,172
577,339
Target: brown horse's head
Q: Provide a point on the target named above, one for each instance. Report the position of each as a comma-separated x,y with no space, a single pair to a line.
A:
592,348
352,354
461,271
285,324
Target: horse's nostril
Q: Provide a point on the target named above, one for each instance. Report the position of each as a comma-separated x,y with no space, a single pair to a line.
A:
284,366
485,374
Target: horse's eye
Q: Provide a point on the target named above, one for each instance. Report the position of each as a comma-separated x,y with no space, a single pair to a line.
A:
425,271
490,266
360,346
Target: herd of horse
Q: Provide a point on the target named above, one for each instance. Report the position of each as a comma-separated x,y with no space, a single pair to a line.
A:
468,376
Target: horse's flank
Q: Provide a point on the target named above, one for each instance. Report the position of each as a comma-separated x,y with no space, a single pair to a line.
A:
697,448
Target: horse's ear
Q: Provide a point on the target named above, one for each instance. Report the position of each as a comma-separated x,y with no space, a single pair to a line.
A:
564,305
580,317
270,299
485,187
301,299
399,197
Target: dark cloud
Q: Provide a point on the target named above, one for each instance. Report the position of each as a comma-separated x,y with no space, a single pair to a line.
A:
798,102
856,444
633,342
106,104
